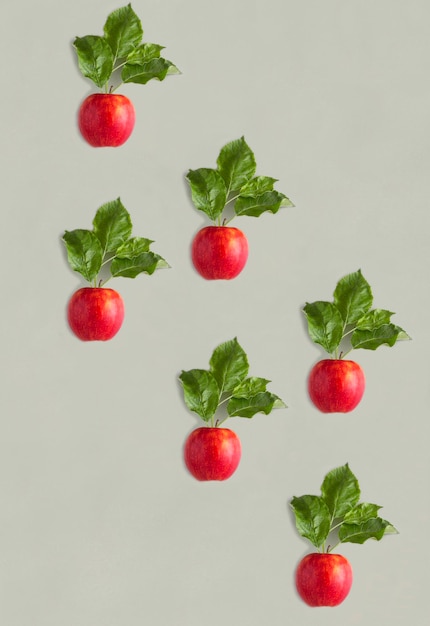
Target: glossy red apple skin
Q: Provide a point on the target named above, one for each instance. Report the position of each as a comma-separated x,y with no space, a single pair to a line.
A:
219,252
323,579
95,313
106,119
212,453
336,385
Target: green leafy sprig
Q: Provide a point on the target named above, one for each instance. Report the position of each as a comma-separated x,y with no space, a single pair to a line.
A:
338,514
110,247
350,321
226,383
121,53
234,184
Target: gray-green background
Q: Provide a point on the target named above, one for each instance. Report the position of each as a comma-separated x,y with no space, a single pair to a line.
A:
100,523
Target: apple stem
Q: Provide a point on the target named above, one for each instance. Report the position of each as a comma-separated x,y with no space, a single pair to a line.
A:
112,88
325,550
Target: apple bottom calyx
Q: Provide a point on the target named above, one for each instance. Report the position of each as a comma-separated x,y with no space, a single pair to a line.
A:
95,313
323,579
336,385
219,252
106,120
212,453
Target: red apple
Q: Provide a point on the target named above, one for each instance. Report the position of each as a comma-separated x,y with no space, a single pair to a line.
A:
212,453
106,119
95,313
336,385
323,579
219,252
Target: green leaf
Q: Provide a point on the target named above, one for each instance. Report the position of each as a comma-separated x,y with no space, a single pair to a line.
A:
258,185
340,491
229,365
208,191
390,530
353,297
144,53
172,69
374,319
278,404
250,387
374,528
312,518
236,164
134,257
133,247
84,253
361,513
130,267
254,206
112,225
95,58
253,189
142,73
123,31
387,334
325,324
201,392
263,402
